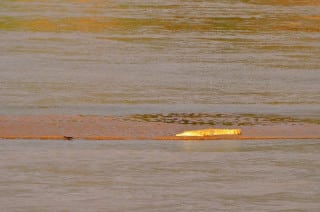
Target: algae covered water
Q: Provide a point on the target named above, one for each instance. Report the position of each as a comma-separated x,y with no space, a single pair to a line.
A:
278,175
107,57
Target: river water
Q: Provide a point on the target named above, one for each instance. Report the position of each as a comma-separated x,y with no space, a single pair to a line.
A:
121,56
279,175
150,56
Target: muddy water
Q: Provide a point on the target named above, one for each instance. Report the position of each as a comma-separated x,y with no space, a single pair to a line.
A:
106,57
160,176
149,56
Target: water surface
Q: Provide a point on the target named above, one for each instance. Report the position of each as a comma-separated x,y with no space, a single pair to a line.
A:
106,57
278,175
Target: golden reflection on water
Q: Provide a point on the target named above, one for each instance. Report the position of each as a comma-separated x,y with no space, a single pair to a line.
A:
94,16
101,24
285,2
45,24
82,24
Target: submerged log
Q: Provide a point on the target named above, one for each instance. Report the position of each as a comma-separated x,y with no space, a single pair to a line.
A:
210,132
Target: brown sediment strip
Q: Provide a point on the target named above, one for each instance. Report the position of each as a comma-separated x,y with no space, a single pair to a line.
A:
103,138
165,138
65,127
47,137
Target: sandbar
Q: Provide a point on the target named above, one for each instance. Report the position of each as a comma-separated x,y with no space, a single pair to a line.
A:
90,127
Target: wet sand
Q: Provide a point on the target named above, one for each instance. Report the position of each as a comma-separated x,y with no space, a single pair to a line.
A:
67,127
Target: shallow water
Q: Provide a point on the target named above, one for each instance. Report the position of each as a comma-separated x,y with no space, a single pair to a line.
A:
160,176
107,57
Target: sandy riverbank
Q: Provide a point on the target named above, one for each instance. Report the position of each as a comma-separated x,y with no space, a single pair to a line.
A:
55,127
